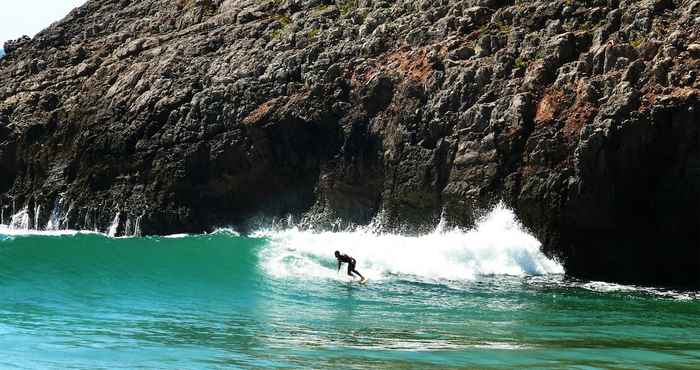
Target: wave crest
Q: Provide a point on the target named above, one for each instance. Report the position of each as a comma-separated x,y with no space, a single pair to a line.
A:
498,245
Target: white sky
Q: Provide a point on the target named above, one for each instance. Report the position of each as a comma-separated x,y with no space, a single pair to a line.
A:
28,17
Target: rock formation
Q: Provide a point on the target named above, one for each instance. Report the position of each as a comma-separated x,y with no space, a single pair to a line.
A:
188,114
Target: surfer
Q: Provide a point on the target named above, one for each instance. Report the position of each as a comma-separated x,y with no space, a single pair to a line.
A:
351,264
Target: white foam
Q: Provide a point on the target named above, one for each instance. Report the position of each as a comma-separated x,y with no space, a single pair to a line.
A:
604,287
227,231
498,245
176,236
11,231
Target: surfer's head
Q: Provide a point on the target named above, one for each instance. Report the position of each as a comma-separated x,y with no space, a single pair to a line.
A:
337,254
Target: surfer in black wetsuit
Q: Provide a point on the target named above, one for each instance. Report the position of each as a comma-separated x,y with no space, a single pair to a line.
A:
351,264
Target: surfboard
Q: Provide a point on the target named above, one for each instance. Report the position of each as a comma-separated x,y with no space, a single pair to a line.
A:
357,281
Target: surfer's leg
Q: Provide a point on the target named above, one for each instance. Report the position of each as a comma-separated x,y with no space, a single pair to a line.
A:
351,269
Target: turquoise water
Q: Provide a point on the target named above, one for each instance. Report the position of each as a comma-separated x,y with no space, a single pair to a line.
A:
478,299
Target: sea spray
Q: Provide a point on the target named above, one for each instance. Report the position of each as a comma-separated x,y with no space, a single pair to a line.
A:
23,222
20,220
54,222
132,228
37,214
498,245
87,222
67,215
127,227
137,226
114,227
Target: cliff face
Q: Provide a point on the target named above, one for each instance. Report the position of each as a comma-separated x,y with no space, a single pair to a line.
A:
186,114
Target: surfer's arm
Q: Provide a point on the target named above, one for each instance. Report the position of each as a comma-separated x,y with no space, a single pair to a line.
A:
339,263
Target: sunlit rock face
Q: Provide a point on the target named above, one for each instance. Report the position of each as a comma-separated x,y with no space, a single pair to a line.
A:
190,114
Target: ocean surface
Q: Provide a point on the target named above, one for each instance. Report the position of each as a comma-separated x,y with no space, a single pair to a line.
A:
482,298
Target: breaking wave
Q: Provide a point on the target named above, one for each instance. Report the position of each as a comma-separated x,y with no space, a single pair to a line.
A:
498,245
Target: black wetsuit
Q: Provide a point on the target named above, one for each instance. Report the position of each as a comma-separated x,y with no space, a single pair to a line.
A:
351,264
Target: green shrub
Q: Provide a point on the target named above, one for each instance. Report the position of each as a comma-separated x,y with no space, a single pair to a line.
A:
282,19
313,33
520,63
347,6
637,43
504,28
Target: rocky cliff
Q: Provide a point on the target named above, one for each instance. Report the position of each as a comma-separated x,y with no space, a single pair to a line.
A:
181,115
